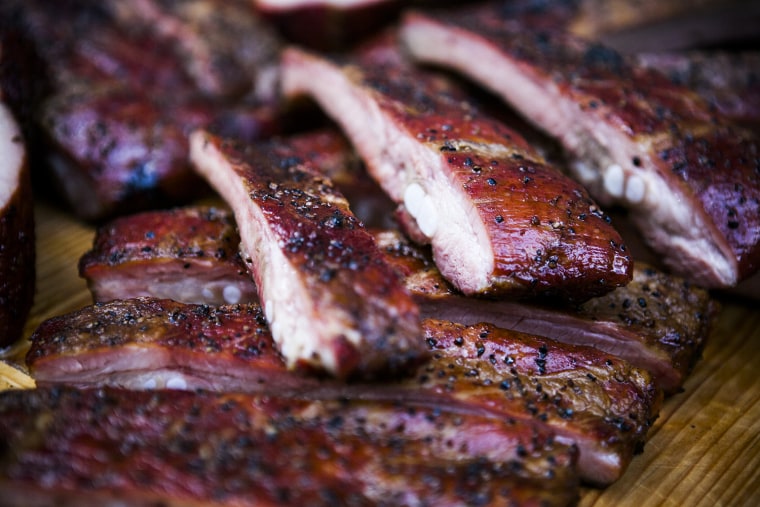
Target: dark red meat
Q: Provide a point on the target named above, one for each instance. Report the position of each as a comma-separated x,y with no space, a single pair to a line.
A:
635,138
591,399
499,218
95,447
329,297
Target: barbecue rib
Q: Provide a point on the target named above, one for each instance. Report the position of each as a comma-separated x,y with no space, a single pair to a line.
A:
17,251
657,322
499,219
187,254
330,299
97,447
635,137
591,399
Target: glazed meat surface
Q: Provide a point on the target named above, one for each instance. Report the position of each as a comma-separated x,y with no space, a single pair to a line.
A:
657,322
729,81
635,138
329,297
595,401
500,219
17,245
187,254
183,448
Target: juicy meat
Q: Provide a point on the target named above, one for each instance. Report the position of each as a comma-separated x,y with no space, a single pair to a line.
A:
590,399
500,219
635,137
657,322
147,343
329,297
187,254
327,24
182,448
17,246
128,81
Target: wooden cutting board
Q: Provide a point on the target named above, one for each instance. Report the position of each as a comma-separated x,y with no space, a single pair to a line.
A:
704,449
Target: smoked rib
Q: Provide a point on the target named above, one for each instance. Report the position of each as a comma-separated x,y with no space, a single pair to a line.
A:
635,138
332,302
179,448
587,398
499,218
657,322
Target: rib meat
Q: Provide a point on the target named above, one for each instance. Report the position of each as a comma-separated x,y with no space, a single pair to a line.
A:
657,322
17,245
187,254
587,398
96,447
635,137
499,218
329,297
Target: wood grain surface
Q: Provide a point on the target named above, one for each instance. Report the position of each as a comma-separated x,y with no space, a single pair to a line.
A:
704,449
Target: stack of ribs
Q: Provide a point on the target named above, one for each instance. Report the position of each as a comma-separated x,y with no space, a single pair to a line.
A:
494,343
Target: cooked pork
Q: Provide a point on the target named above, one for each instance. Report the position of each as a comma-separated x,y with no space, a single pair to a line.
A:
657,322
500,219
635,137
129,80
588,398
17,245
94,447
329,297
187,254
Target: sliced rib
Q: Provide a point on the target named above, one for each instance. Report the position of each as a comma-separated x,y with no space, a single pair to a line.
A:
657,322
106,446
499,218
329,297
635,138
588,398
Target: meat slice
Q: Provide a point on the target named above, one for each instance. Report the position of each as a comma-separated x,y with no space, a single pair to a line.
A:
17,252
634,137
187,254
658,322
149,343
329,297
96,447
593,400
500,219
